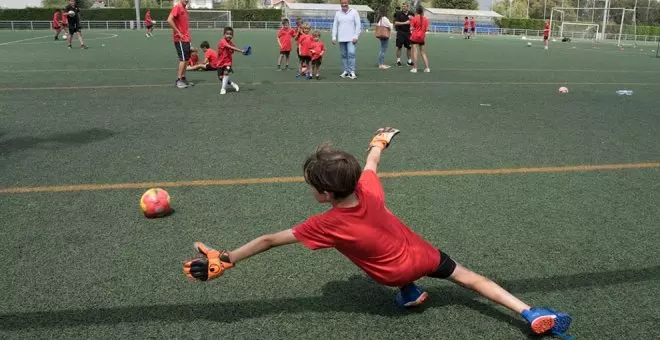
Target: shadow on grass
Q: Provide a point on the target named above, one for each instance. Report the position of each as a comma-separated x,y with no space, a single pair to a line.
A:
357,295
54,141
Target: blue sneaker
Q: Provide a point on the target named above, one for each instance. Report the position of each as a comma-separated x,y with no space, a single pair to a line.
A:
411,295
545,320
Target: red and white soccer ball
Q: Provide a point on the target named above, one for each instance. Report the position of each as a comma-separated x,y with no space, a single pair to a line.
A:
563,89
155,202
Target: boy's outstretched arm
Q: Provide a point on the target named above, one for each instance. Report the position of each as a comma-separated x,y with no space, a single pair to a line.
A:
214,262
379,142
261,244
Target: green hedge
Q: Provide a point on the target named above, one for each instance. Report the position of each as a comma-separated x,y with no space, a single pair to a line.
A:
129,14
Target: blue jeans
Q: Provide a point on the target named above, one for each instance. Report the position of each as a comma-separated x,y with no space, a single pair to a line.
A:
347,56
383,49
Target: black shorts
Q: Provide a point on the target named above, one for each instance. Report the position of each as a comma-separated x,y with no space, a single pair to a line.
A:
446,267
210,68
182,50
73,29
317,62
545,37
305,59
285,53
420,43
472,29
150,27
403,39
223,70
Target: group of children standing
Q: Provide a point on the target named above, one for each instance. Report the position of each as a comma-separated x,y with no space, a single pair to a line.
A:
309,46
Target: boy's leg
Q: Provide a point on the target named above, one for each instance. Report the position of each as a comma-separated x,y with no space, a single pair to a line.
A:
279,61
541,320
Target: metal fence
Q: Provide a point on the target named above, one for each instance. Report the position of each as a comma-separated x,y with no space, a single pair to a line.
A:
274,25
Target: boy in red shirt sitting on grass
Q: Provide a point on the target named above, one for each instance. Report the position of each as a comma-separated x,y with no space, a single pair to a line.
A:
360,226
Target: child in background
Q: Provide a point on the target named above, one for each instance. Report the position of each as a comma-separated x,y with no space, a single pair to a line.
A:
317,50
210,59
193,60
419,25
361,227
298,34
149,24
305,42
284,36
56,23
226,49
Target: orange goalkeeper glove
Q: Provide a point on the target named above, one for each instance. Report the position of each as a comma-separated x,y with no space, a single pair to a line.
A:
209,267
383,137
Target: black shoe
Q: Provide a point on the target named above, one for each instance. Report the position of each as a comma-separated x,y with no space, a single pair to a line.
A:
398,63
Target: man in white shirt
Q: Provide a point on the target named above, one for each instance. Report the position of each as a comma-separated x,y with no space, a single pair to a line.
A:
346,30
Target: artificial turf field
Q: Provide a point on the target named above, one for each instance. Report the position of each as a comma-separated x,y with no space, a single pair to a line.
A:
556,197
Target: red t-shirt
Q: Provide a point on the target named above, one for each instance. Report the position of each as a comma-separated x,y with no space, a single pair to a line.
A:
285,35
318,47
466,24
180,15
65,19
305,42
225,54
372,237
147,19
193,60
56,20
211,56
419,25
473,24
546,29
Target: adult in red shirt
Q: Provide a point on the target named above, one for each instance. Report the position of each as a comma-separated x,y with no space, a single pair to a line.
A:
546,33
178,20
149,24
56,23
419,25
363,229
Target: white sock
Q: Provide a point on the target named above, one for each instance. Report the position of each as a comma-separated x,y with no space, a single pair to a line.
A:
225,81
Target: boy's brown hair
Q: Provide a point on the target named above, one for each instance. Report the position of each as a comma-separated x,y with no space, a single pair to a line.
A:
334,171
316,33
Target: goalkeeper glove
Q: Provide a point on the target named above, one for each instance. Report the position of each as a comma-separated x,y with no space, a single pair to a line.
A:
383,137
211,266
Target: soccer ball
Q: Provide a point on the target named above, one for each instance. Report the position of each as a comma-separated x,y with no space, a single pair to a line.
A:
563,89
529,44
155,202
64,36
71,13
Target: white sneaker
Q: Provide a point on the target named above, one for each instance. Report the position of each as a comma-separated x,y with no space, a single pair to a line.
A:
546,47
223,90
352,75
384,67
235,86
427,70
344,74
413,70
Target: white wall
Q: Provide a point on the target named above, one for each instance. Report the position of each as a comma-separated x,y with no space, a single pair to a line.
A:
19,3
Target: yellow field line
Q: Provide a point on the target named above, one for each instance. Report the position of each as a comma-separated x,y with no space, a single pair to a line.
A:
270,180
320,83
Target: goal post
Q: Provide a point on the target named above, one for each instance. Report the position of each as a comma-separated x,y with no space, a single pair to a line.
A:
578,30
613,24
219,17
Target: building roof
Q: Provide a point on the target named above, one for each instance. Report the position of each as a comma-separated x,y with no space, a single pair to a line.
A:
463,12
325,7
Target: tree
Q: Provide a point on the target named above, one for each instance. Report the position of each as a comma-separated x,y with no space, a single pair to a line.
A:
456,4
